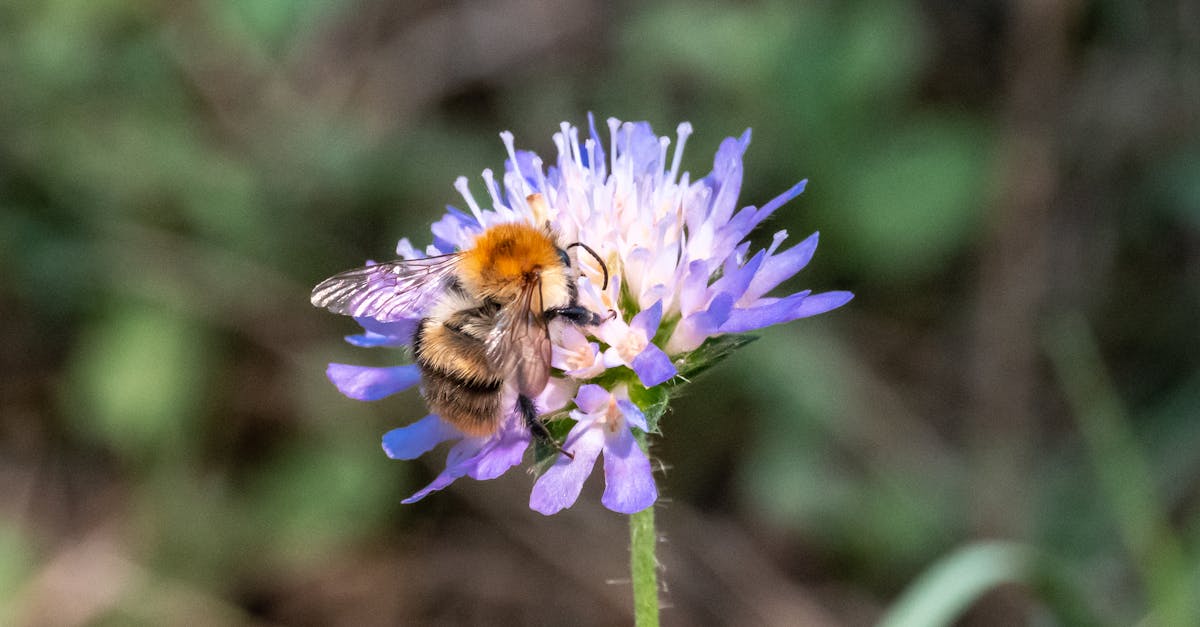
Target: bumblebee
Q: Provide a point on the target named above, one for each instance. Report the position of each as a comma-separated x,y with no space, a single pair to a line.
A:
484,319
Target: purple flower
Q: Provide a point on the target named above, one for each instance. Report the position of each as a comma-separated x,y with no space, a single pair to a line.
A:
603,423
682,275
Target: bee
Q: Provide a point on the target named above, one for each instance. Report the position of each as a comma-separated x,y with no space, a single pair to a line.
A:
484,319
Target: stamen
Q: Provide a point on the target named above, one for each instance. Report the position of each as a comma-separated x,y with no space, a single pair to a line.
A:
489,180
507,138
776,240
464,188
574,135
682,131
613,124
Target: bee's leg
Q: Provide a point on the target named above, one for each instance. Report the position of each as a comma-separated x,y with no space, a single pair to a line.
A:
536,428
579,316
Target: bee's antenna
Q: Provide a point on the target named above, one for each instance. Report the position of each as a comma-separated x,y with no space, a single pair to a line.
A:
596,257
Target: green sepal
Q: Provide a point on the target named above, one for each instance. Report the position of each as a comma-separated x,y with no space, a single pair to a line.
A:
559,424
712,351
653,402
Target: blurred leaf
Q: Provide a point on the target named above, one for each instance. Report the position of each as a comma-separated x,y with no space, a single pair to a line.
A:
138,380
916,197
1176,182
1123,474
958,580
273,22
16,565
319,494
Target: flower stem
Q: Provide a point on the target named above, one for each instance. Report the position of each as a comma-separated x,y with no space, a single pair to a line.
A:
643,567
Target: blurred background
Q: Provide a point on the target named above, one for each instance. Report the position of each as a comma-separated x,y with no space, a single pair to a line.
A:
1001,429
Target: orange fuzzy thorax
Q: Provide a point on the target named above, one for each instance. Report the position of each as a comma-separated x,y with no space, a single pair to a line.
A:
508,257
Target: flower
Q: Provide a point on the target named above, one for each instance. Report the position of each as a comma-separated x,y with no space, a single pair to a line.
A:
603,422
684,286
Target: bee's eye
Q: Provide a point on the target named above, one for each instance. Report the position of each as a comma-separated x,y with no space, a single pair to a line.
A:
562,254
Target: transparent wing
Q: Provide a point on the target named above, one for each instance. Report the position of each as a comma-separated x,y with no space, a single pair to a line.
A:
519,343
387,292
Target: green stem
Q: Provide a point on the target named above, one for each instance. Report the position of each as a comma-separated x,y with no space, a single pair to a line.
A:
643,567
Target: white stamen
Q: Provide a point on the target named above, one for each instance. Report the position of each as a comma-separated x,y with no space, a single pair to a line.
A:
589,145
464,189
507,138
663,143
489,179
682,131
613,124
574,135
776,241
628,128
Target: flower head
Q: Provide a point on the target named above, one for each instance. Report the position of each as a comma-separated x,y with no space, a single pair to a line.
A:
684,286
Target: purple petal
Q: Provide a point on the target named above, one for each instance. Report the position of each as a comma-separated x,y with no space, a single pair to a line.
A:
398,333
736,279
441,481
637,141
454,231
526,168
633,415
779,201
694,329
503,452
418,438
628,482
599,165
559,487
726,177
458,462
647,320
371,384
592,398
653,366
779,268
694,289
783,310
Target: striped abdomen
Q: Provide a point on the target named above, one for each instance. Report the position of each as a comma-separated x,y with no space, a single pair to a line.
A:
460,383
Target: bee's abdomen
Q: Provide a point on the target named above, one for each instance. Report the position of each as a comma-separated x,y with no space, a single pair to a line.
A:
460,384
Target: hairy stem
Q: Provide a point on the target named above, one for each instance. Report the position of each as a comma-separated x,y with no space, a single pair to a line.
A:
643,567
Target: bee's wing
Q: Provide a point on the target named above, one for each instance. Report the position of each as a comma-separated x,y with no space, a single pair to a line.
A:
519,343
387,292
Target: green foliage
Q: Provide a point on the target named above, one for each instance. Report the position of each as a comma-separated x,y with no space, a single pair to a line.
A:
139,381
174,178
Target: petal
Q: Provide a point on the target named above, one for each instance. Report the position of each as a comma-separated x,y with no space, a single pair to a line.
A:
783,310
778,268
636,141
628,482
371,384
458,462
693,293
505,451
653,366
418,438
647,321
592,398
557,394
633,415
398,333
737,278
559,487
693,330
779,201
726,177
